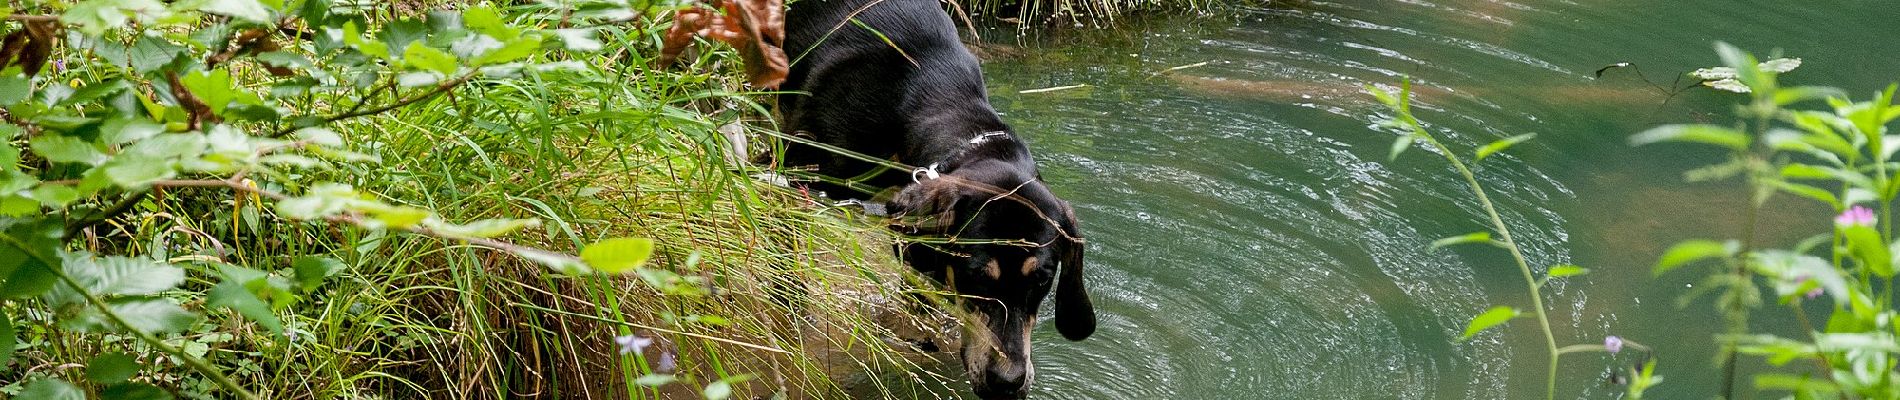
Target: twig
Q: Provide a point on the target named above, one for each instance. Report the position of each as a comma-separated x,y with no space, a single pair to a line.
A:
440,88
32,18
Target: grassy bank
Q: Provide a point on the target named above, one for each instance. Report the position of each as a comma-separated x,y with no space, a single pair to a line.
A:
751,290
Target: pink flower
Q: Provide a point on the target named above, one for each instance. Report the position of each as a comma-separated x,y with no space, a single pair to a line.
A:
1612,344
1857,216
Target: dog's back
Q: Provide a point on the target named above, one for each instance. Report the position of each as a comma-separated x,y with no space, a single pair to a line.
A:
894,82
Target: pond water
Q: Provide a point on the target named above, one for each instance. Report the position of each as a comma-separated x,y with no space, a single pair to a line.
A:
1249,240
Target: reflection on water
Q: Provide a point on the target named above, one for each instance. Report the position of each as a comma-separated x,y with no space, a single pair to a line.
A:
1251,241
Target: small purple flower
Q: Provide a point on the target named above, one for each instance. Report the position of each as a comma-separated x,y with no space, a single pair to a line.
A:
630,344
59,66
1613,344
1857,216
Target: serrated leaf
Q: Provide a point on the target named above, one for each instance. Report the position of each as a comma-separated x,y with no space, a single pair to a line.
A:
428,58
1469,238
110,368
1567,270
133,170
54,196
581,40
232,295
511,50
1501,145
51,389
1690,251
155,315
312,270
128,130
122,275
14,89
1693,133
67,149
1491,318
618,255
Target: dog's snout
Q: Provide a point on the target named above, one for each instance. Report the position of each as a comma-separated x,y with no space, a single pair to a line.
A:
1003,383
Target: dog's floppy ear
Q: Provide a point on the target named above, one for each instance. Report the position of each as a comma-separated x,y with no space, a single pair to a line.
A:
928,206
1075,316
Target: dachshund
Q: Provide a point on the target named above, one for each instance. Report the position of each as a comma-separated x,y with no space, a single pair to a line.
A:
890,79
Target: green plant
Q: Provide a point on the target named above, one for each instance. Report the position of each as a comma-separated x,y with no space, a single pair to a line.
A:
1841,156
1412,131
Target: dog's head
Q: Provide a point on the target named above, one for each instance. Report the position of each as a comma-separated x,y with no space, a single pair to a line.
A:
1011,242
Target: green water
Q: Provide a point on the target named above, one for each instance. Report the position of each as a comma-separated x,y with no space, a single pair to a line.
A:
1248,240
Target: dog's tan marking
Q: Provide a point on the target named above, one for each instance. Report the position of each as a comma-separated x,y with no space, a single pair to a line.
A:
993,270
1030,265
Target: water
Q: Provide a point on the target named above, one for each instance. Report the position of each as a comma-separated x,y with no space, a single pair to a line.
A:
1249,240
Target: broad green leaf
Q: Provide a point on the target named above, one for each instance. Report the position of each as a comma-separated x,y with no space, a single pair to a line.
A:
1695,133
319,136
51,389
354,37
233,295
123,275
581,40
23,275
1493,317
1693,250
55,196
1560,271
14,89
67,149
485,19
1474,237
428,58
134,171
312,270
213,87
128,130
134,391
618,255
1502,144
154,316
7,338
110,368
1867,247
511,50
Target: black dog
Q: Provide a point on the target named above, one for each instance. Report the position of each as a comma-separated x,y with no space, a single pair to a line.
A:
890,79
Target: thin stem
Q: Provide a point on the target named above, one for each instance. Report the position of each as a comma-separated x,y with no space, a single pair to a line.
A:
1504,237
196,364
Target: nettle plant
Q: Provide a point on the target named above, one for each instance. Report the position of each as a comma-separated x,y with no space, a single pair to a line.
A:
1842,156
109,103
1412,131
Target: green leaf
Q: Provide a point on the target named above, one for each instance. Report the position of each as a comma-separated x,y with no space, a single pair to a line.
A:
51,389
1810,192
511,50
654,380
7,338
1493,317
1400,145
1693,250
134,391
1693,133
154,316
122,275
618,255
1560,271
214,87
14,89
67,149
558,262
1501,145
128,130
718,391
54,196
486,228
312,270
232,294
488,21
1867,247
1469,238
581,40
428,58
135,171
110,368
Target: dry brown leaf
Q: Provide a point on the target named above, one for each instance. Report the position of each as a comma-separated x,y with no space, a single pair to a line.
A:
755,27
31,47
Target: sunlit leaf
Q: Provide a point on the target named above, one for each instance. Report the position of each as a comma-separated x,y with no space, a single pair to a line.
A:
1469,238
1501,145
428,58
1691,251
1400,145
1566,270
486,228
1491,318
1867,247
154,316
1697,133
618,255
578,39
67,149
718,391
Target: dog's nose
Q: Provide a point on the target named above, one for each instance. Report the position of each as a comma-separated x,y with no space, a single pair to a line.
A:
1003,384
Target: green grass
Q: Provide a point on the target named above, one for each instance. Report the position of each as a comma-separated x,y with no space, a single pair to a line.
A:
755,283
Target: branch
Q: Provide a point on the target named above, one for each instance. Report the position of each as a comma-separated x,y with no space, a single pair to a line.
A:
440,88
33,18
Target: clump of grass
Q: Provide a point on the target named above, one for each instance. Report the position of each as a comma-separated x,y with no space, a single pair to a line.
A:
754,290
